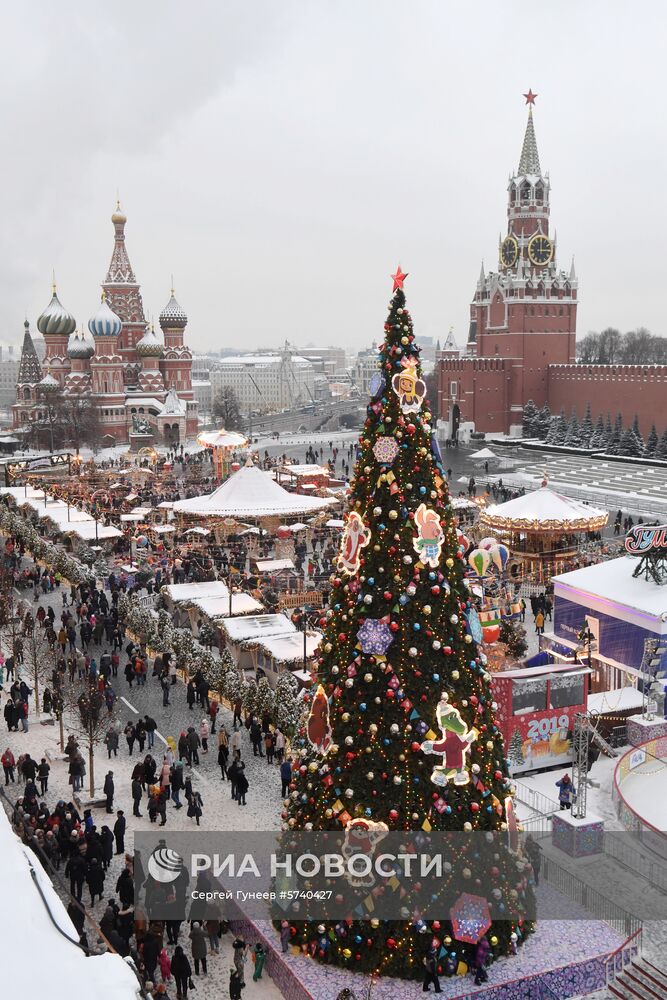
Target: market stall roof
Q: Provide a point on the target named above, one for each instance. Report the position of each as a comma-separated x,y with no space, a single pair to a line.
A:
273,565
218,607
161,529
544,510
256,627
70,521
463,503
132,517
86,530
295,527
222,439
197,531
484,454
610,587
166,505
195,591
304,470
287,648
335,522
250,492
618,700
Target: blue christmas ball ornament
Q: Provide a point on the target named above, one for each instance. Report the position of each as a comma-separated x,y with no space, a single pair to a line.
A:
368,811
382,527
403,599
431,575
371,580
363,706
387,742
436,677
416,626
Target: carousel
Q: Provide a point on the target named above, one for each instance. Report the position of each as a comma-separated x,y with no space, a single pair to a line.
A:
223,444
542,530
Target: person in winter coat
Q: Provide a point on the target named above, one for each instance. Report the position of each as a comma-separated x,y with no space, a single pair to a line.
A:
279,744
125,887
203,734
193,745
213,710
106,839
191,694
240,950
109,790
198,946
75,869
285,935
285,777
241,785
481,956
567,792
8,765
269,747
223,757
150,726
176,779
236,984
43,775
181,970
95,880
111,742
256,738
259,957
119,831
195,807
136,796
431,971
165,965
213,931
130,736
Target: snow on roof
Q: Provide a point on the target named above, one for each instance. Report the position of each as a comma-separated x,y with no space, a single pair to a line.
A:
484,453
87,530
131,517
222,439
611,586
161,529
218,607
615,701
335,522
304,470
462,503
256,626
26,920
288,648
197,531
166,505
250,493
273,565
196,591
70,521
543,509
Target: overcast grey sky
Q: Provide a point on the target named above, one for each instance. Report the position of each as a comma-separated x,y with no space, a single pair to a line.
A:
280,158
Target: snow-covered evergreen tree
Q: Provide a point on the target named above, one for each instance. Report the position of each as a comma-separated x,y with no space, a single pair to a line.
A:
661,450
573,436
628,445
558,430
529,416
598,436
617,434
542,422
638,435
651,442
265,699
288,709
586,428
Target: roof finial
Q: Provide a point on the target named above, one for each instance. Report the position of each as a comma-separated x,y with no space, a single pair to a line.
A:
173,292
104,295
53,281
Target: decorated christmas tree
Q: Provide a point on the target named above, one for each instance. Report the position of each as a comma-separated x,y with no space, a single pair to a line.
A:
401,734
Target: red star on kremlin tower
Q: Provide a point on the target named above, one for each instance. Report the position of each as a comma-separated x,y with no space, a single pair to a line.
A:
530,97
398,278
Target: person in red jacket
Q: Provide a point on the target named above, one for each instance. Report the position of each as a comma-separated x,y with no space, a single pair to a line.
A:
8,765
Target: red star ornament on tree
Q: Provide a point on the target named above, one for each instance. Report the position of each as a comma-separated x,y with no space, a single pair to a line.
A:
530,97
398,278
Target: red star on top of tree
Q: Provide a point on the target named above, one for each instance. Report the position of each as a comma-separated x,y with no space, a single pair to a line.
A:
530,97
398,278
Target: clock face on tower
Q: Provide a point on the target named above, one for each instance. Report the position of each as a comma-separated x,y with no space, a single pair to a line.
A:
509,251
540,250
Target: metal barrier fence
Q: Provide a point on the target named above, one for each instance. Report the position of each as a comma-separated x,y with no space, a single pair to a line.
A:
568,884
537,801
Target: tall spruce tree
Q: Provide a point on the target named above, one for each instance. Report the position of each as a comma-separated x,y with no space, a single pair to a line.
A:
529,419
608,433
586,428
637,434
573,436
661,450
558,429
598,437
542,422
396,667
651,442
617,434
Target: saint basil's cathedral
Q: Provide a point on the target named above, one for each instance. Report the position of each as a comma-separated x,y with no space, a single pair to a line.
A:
134,380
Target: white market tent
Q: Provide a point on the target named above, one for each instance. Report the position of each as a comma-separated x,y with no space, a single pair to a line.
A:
198,531
177,592
485,455
255,627
28,917
287,648
335,522
68,519
218,607
273,565
250,492
544,509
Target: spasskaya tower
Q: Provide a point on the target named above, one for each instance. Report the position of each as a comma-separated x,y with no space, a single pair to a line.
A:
522,317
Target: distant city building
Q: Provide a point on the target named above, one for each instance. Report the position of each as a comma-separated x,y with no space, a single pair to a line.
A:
203,393
331,361
365,366
9,370
127,372
266,382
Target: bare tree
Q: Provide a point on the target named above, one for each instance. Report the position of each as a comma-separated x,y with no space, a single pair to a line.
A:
226,407
88,718
38,657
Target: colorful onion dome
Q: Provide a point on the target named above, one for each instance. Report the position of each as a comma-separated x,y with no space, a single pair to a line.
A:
49,383
173,315
55,319
105,323
79,347
149,345
119,218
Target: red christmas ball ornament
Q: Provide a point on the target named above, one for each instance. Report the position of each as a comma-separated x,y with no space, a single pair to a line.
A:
474,807
391,943
394,626
498,775
411,428
447,650
495,872
435,589
390,694
416,747
393,815
435,925
473,699
342,637
387,595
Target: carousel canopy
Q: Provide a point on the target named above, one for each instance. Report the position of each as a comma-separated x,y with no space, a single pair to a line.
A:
544,510
250,493
222,439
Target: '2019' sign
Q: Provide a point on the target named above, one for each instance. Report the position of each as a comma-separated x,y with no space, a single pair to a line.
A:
640,539
539,729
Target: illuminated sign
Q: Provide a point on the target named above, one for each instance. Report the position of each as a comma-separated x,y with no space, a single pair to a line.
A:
640,539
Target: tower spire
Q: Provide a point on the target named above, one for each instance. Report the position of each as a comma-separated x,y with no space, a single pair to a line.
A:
530,159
